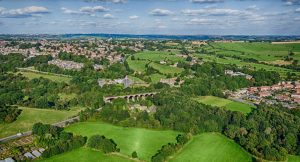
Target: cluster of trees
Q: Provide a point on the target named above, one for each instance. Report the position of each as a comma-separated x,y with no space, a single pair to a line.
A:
170,148
55,140
211,80
102,143
269,133
37,60
8,114
10,93
72,57
43,93
11,62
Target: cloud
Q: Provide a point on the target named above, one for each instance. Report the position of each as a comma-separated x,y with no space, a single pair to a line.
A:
212,11
291,2
206,1
108,16
69,11
133,17
112,1
93,9
252,8
297,10
23,12
87,10
161,12
196,21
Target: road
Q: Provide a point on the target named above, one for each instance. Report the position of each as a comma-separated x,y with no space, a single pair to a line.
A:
24,134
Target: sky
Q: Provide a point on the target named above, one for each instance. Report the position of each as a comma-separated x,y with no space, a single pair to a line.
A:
171,17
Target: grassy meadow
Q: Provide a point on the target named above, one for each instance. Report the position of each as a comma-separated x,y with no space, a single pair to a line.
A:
30,116
212,147
155,78
158,56
144,141
55,78
225,103
259,51
151,58
227,60
165,69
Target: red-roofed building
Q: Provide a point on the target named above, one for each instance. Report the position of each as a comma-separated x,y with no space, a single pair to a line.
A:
264,94
288,86
264,88
252,89
276,87
297,100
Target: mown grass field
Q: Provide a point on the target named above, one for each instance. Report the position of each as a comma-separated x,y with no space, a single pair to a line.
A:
29,116
259,51
212,147
32,75
144,141
155,78
150,57
136,80
165,69
292,158
256,66
157,56
137,65
225,103
85,155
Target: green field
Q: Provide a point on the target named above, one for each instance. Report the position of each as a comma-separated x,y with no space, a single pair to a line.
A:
225,103
259,51
158,56
136,80
29,116
292,158
85,155
144,141
165,69
32,75
212,147
137,65
240,63
155,78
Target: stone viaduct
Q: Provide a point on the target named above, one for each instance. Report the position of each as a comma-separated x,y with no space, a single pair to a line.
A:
131,97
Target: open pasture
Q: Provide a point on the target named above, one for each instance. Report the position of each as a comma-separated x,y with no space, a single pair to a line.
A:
158,56
30,116
225,103
31,75
137,65
144,141
257,50
227,60
212,147
165,69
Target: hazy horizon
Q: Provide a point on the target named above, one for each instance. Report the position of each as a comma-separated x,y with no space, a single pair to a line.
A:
158,17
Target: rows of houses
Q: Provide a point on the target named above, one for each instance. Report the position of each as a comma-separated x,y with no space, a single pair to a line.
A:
90,48
286,93
69,65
